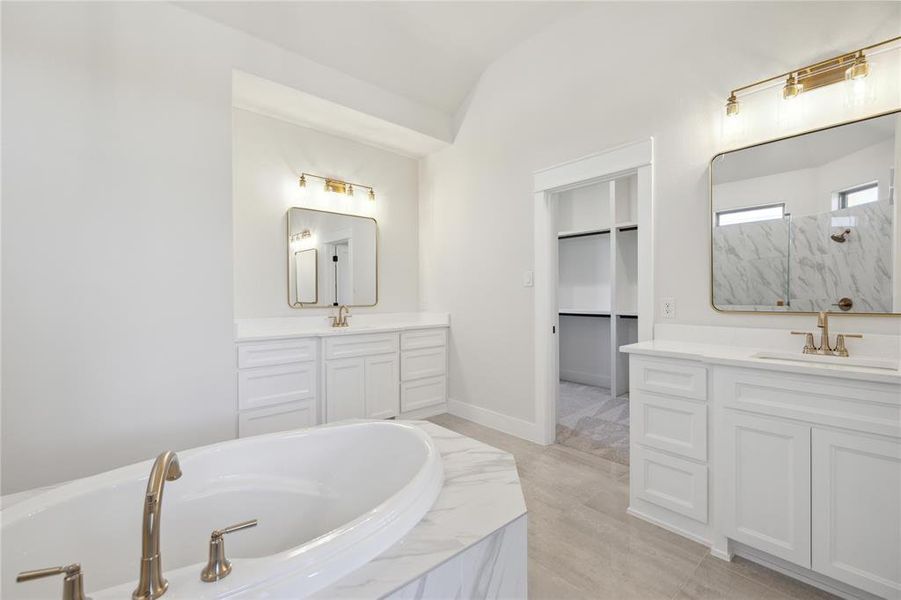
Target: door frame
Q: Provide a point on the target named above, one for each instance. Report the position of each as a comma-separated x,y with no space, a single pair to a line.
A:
546,183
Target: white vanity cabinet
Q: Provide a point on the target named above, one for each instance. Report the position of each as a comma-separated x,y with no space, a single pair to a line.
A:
801,470
277,385
856,509
423,369
767,480
361,376
380,373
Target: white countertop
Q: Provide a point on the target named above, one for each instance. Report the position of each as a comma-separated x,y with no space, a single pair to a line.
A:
740,356
274,328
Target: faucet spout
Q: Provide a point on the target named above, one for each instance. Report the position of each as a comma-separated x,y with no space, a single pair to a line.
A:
823,323
151,583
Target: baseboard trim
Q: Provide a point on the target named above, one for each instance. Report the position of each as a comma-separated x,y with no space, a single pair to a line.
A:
424,413
836,588
669,527
495,420
585,378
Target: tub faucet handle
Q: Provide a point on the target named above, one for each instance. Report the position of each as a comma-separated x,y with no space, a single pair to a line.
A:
73,582
218,565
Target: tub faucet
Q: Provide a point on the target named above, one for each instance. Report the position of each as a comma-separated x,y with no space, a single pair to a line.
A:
151,583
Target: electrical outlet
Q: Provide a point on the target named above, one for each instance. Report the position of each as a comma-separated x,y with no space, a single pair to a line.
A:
668,308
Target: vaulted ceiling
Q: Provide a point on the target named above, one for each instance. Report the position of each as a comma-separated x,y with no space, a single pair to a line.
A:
429,52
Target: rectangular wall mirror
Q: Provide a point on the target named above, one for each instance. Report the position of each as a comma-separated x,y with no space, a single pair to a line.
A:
809,222
332,259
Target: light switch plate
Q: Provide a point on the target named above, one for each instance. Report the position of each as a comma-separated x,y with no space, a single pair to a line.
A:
528,278
668,308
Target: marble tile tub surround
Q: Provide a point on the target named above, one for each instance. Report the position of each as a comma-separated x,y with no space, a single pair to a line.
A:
481,495
272,328
794,259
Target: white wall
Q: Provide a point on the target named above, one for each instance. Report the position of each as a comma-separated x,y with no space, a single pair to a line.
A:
809,191
269,156
618,72
117,228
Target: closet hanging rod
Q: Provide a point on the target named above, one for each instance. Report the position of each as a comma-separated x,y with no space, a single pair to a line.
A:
585,314
566,236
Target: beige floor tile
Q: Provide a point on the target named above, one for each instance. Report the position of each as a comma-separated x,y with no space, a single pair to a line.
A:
715,580
582,544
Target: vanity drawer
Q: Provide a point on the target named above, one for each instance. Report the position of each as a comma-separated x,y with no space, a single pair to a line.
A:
416,364
284,417
672,424
423,338
350,346
674,483
673,377
422,393
261,354
265,386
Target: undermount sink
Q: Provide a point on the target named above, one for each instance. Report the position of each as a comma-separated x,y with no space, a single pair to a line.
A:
847,361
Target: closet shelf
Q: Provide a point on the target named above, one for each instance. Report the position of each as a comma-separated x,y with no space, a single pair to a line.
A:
583,313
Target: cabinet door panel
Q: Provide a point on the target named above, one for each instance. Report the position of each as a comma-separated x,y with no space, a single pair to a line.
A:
381,387
344,389
768,485
267,386
417,364
294,415
857,510
671,424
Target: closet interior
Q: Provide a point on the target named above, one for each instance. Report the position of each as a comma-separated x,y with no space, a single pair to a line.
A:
598,244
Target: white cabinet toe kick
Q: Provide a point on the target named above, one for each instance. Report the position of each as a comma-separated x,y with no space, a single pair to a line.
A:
797,470
309,380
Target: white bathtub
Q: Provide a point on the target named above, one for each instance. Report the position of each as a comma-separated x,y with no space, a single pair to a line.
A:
328,500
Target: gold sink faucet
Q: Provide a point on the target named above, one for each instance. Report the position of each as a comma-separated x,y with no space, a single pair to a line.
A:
151,584
825,347
341,319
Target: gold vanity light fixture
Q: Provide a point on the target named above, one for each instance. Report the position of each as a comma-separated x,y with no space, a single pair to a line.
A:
303,235
849,66
336,186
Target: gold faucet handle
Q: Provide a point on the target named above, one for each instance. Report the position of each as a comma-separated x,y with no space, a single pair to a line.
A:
840,348
73,583
809,344
218,565
233,528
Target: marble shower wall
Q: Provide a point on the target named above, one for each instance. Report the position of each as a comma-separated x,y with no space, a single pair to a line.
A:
757,264
822,270
750,266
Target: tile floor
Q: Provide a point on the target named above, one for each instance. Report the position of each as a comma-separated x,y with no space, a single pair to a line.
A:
582,544
589,419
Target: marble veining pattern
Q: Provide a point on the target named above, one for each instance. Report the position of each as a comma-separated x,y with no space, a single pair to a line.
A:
757,264
481,494
496,567
589,419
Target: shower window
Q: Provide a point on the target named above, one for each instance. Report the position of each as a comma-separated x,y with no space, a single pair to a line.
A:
768,212
856,196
